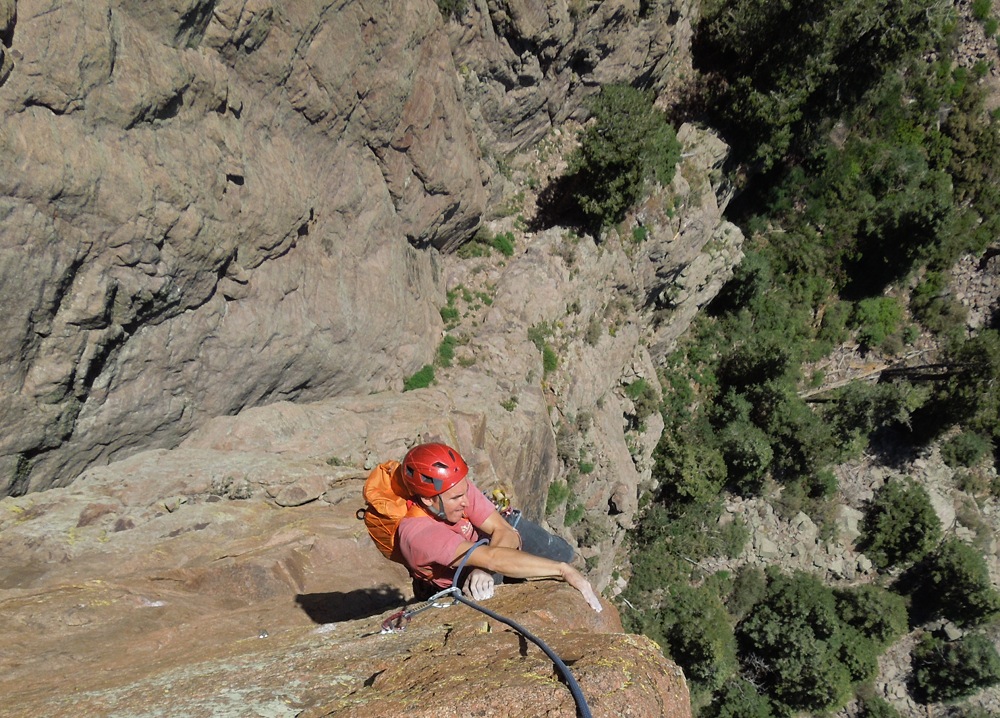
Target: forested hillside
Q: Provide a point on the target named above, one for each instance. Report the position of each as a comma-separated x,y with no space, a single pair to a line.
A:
866,162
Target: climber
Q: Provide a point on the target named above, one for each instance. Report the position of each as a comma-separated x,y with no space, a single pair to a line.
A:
455,515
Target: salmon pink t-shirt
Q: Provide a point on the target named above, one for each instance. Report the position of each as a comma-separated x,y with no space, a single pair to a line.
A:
428,544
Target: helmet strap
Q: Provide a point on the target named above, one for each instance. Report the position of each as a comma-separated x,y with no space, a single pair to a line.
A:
439,510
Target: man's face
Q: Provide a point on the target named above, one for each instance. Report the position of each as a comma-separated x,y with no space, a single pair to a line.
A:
454,501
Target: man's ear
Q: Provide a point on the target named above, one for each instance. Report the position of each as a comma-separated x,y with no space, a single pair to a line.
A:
426,502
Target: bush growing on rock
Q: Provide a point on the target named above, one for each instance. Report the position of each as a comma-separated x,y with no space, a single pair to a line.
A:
699,636
420,380
796,639
739,699
954,583
899,526
944,671
629,144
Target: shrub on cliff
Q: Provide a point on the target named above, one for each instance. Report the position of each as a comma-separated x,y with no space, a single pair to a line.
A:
629,144
945,671
799,646
899,526
699,636
954,583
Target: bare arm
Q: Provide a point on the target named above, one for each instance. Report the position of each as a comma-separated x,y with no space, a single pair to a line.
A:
502,534
479,583
517,564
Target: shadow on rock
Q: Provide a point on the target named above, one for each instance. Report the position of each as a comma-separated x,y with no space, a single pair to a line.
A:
337,606
558,207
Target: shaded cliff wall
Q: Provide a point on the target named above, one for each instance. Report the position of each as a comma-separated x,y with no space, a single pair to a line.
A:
198,215
209,205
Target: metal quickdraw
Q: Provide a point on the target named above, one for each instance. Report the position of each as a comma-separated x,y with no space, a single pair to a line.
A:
397,622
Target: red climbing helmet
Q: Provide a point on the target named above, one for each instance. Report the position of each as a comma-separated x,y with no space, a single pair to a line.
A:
432,469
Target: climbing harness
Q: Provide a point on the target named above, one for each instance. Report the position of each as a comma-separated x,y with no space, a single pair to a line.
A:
399,620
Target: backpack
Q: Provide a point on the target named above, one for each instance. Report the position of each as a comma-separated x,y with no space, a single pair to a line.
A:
386,505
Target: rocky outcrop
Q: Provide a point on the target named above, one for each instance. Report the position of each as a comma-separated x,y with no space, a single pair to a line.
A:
210,205
528,65
183,187
225,240
232,575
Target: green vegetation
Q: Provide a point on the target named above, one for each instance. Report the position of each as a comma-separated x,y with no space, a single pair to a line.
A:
450,315
446,351
867,163
539,335
697,633
550,360
900,525
966,449
629,145
948,671
876,320
484,242
797,633
574,514
876,707
739,699
954,583
420,380
557,496
452,8
644,397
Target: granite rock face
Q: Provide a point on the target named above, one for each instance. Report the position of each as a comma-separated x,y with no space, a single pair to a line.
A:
203,208
179,583
211,205
226,238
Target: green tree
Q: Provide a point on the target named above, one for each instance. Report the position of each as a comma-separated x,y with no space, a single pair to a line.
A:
795,634
629,144
749,587
971,392
965,449
874,612
747,452
899,525
877,707
699,636
788,64
875,319
738,699
689,467
956,585
861,408
948,671
859,654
